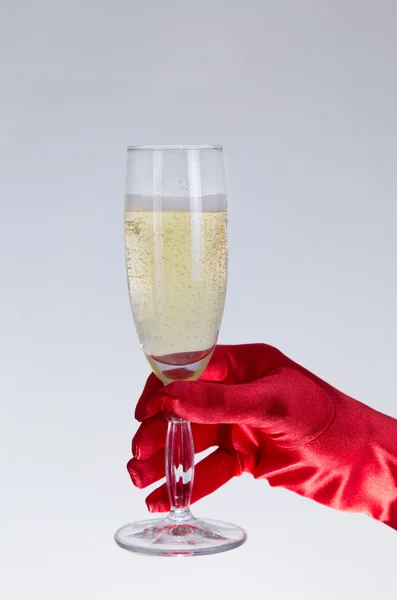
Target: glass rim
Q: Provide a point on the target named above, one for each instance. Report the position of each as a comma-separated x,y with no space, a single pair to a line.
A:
176,147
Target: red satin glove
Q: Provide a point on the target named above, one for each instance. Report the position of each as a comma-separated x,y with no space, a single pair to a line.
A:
271,417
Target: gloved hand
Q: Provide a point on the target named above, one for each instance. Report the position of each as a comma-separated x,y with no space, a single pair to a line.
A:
271,417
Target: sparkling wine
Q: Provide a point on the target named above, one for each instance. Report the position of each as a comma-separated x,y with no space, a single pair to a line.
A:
177,269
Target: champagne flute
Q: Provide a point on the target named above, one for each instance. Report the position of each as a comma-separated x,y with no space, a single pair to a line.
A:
176,258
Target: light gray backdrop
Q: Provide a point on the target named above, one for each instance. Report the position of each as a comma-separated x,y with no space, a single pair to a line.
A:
303,96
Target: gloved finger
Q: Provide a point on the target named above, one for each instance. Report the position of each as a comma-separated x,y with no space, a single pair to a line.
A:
150,437
284,396
152,433
210,403
211,473
146,472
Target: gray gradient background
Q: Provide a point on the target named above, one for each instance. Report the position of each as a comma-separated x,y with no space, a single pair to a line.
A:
303,96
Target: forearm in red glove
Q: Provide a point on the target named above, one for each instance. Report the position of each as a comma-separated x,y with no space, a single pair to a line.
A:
271,417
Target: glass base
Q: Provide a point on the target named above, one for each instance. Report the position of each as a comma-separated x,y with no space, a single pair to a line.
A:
173,537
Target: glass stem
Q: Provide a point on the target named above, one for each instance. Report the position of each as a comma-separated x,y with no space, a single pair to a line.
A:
179,468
